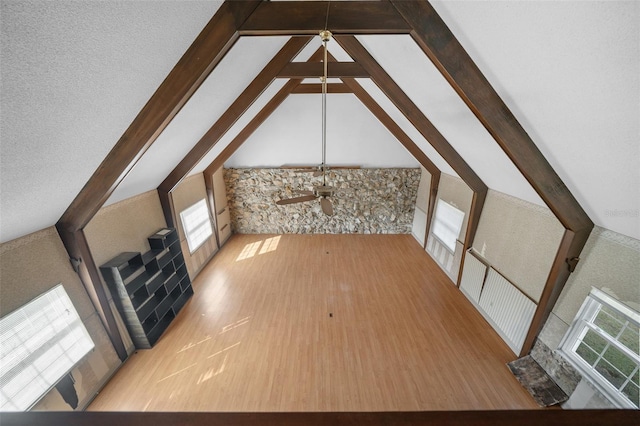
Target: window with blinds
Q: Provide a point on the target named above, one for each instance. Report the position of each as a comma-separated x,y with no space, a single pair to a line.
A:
447,224
196,224
41,343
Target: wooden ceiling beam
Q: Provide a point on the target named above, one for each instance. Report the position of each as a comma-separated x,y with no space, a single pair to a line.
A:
395,94
305,17
445,51
316,70
388,122
215,40
316,88
389,87
252,126
235,111
260,117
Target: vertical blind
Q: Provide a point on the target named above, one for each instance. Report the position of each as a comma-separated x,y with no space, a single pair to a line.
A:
40,343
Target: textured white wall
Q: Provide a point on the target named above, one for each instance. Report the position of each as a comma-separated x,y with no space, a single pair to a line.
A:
519,239
74,75
570,73
293,135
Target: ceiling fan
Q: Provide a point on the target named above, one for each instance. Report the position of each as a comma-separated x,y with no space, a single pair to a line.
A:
324,191
317,170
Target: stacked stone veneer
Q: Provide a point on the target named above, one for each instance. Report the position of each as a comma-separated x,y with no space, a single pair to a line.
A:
366,201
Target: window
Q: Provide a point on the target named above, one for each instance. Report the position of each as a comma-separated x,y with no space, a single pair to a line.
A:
602,343
447,224
41,343
196,224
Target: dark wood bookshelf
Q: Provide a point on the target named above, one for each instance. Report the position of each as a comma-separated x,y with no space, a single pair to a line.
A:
149,289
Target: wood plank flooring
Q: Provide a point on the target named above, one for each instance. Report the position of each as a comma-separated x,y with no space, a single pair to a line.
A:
321,323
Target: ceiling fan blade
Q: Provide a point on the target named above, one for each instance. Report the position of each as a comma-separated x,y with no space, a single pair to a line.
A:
295,200
287,166
327,207
302,169
344,167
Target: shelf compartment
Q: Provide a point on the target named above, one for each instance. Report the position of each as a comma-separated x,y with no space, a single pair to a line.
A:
163,258
163,238
122,268
155,282
182,300
172,282
164,306
185,283
159,328
182,271
149,323
175,249
146,309
178,260
131,272
139,281
139,297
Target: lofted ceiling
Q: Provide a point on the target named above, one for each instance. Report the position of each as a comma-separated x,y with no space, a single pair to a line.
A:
75,74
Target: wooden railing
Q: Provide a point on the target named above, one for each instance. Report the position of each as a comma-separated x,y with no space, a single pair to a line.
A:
547,417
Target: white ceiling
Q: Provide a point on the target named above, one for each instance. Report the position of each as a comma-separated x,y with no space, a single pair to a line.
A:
75,74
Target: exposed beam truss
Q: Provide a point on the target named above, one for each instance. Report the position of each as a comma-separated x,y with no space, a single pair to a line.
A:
316,70
309,17
414,17
316,88
227,120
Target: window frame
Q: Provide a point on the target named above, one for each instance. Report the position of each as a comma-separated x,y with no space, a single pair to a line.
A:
582,323
204,223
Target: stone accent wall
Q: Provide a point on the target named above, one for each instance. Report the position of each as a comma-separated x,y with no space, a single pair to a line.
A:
367,201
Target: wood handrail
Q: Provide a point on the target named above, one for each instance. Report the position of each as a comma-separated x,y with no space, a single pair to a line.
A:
548,417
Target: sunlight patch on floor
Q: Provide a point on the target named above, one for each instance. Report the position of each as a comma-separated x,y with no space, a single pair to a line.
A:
147,405
250,250
212,372
270,244
193,345
223,350
236,324
177,372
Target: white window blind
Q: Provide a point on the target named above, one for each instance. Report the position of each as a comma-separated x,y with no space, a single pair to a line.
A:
41,342
602,344
196,224
447,224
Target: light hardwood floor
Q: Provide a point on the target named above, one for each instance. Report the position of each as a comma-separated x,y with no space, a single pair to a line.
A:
321,323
